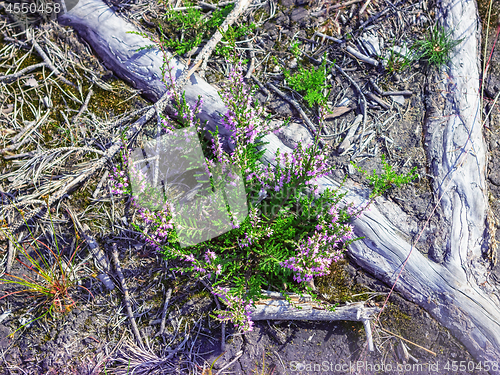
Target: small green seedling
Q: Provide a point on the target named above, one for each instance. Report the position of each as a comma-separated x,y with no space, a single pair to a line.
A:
209,371
435,49
312,82
397,62
295,49
387,179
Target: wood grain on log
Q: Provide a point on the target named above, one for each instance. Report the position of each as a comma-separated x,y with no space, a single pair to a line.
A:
453,292
277,308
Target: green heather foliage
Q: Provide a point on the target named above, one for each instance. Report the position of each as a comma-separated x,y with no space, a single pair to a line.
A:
290,236
293,231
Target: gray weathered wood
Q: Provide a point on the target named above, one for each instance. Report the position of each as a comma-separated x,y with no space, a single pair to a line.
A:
280,309
453,291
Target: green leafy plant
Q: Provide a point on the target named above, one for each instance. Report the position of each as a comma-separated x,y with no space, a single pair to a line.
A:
292,233
435,49
194,28
228,43
387,179
311,82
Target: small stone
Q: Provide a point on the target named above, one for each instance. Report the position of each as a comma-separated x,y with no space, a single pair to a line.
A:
31,82
299,14
293,133
494,177
371,43
493,144
47,102
400,99
287,3
292,64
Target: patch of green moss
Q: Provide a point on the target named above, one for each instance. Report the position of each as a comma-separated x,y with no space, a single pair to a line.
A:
108,103
339,286
396,321
81,197
261,13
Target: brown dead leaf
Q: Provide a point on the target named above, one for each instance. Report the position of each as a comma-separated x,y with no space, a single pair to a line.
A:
337,112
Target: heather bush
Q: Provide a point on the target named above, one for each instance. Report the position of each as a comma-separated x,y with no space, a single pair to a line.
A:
293,231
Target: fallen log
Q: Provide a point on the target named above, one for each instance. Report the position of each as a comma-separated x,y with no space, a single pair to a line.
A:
454,291
276,307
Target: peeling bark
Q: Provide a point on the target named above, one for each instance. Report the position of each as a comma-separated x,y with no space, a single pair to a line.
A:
454,291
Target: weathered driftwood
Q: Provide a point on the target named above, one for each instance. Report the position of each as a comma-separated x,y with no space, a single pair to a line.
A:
453,291
110,37
276,307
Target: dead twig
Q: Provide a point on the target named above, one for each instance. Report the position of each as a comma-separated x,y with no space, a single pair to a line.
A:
362,104
408,341
97,253
377,100
397,93
84,106
361,56
10,256
236,357
14,76
346,143
368,331
336,6
262,88
276,307
324,36
296,105
126,297
45,58
251,66
164,312
25,133
205,53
